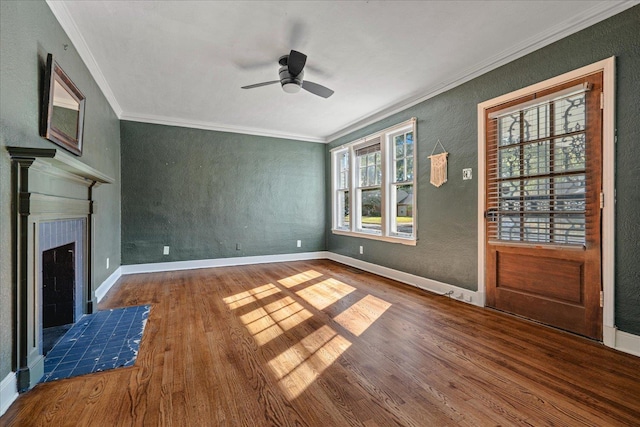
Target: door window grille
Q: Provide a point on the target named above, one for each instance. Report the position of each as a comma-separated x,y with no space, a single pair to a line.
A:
537,170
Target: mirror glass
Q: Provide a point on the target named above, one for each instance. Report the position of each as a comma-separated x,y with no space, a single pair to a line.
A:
66,110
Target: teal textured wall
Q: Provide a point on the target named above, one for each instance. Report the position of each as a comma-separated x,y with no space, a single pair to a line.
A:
447,216
203,192
28,31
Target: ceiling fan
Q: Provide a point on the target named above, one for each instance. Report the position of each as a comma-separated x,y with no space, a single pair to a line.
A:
292,76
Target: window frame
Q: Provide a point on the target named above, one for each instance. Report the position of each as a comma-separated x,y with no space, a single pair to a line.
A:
388,185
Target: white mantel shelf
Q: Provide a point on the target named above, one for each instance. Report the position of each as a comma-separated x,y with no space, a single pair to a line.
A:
60,160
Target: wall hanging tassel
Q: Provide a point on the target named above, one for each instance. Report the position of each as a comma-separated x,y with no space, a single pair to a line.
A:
438,166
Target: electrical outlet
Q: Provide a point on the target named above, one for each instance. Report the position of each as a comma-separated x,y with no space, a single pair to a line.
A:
165,250
361,250
299,243
107,263
238,246
467,174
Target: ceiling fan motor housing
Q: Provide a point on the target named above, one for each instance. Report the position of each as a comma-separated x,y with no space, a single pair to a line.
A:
290,84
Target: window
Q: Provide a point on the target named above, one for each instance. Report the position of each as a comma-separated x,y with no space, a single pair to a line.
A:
538,170
373,186
342,191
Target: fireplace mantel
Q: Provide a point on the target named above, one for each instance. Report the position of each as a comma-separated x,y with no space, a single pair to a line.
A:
48,185
57,159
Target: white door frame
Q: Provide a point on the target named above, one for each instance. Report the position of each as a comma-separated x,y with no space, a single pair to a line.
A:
607,66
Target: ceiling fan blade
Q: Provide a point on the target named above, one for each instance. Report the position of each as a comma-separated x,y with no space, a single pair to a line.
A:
261,84
316,89
296,62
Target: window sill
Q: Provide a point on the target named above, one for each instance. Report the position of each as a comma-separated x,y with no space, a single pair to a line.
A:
401,240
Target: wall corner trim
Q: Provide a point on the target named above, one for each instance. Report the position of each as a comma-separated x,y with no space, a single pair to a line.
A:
621,341
102,290
8,392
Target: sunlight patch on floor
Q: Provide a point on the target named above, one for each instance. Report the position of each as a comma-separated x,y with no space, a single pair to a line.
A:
300,365
297,367
325,293
268,322
357,318
299,278
252,295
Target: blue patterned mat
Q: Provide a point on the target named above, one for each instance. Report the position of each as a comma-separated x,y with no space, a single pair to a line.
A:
104,340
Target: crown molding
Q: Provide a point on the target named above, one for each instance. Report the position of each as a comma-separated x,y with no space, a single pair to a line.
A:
60,11
580,21
196,124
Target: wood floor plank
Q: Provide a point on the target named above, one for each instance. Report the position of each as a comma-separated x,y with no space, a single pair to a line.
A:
315,343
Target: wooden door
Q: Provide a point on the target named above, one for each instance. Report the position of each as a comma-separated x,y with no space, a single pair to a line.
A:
543,212
58,279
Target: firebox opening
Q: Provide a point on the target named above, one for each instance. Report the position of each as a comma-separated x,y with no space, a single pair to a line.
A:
58,293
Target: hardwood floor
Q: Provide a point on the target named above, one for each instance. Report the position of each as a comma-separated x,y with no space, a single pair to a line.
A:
320,344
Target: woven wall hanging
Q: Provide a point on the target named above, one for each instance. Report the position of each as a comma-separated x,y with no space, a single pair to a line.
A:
438,166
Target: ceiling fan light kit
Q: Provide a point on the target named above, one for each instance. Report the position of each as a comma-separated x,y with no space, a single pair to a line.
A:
290,84
292,76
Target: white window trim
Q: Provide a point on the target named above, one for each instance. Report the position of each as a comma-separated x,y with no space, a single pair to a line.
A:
607,66
387,182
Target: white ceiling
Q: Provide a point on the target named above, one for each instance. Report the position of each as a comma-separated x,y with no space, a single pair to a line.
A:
183,62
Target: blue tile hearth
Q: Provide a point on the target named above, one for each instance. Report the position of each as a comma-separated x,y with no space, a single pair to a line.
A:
104,340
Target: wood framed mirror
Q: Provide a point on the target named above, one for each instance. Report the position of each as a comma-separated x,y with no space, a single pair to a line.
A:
62,109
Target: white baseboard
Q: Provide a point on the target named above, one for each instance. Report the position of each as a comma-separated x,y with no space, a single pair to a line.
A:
472,297
8,392
219,262
102,290
465,295
622,341
107,284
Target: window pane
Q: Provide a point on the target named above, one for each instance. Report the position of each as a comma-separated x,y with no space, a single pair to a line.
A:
343,170
344,180
371,175
409,144
363,177
370,209
404,210
343,210
536,122
399,143
509,162
400,170
509,130
369,162
570,114
570,153
536,158
409,176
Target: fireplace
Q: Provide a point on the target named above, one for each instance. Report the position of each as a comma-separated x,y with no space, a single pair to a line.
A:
53,210
61,277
